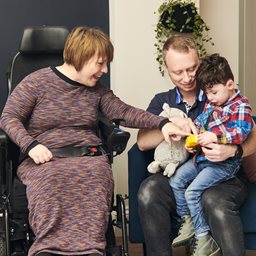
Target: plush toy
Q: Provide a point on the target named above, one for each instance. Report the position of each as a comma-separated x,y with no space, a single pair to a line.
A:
168,157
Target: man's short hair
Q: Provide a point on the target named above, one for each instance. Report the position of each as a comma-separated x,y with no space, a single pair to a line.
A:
180,43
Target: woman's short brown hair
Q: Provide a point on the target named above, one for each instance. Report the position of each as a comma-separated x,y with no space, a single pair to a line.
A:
83,43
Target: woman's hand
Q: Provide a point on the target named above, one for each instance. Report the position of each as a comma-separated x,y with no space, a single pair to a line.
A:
40,154
219,152
185,124
170,130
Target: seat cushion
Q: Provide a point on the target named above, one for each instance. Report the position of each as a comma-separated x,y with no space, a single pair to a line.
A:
137,172
248,210
249,167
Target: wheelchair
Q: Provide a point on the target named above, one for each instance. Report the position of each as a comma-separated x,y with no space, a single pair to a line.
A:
42,46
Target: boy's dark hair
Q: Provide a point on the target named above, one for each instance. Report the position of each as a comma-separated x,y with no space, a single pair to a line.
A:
214,69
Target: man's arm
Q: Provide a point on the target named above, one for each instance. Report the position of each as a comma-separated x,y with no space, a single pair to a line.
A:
220,152
148,139
249,145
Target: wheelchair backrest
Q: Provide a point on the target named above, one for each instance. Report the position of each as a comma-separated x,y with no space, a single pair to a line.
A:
40,46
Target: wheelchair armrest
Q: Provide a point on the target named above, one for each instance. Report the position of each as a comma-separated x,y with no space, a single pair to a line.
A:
113,137
9,158
3,138
9,148
3,160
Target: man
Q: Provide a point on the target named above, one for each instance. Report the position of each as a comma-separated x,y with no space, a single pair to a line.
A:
155,198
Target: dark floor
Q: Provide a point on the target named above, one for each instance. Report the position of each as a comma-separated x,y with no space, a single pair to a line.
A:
136,250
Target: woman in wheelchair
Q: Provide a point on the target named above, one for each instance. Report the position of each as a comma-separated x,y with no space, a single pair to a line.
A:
52,116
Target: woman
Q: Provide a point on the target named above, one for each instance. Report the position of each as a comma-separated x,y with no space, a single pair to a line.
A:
69,198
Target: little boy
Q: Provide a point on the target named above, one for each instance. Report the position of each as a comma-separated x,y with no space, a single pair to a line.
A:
226,119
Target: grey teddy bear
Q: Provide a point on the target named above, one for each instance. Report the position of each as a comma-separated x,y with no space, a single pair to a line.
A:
168,157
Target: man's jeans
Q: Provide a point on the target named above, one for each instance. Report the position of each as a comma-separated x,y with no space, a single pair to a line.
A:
191,180
221,203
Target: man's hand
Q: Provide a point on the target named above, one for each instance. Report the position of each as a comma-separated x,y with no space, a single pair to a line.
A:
40,154
170,130
206,138
219,152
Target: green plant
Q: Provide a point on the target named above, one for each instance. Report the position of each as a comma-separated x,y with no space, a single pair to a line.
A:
176,16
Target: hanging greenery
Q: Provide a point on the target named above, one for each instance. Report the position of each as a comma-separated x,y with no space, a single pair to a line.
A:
176,16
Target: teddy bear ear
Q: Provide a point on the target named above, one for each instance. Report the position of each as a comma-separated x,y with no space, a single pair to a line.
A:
165,106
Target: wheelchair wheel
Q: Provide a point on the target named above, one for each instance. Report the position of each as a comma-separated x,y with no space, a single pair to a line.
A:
2,246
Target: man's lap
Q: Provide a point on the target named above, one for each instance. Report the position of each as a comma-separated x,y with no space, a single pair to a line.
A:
231,193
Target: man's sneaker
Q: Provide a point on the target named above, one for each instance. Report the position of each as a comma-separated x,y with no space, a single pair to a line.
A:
186,232
206,246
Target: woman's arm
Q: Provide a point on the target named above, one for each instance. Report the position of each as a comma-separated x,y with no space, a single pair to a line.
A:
148,139
17,110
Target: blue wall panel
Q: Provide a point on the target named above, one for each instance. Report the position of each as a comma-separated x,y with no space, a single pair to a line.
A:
17,14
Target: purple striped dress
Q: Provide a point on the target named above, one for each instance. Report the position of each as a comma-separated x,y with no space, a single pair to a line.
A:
69,198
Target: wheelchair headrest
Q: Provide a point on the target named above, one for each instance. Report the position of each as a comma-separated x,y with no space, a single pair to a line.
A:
43,39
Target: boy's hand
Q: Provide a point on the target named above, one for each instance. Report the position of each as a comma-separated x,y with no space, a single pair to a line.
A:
206,138
191,150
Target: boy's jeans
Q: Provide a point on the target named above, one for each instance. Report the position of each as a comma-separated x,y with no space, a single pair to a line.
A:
192,179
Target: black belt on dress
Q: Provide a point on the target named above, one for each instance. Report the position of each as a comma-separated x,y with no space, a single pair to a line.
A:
71,151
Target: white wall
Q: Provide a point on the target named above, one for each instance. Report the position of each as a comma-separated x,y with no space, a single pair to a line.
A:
247,57
134,72
222,16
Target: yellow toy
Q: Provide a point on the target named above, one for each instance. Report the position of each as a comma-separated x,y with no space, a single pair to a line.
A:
191,141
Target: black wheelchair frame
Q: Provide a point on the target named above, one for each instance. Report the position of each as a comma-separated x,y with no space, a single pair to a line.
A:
42,46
